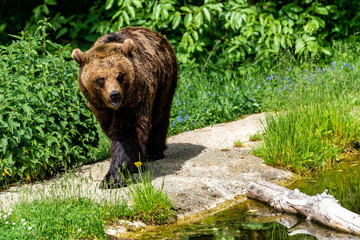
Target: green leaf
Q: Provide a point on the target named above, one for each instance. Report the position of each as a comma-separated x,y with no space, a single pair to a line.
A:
321,10
137,3
292,15
283,42
310,39
176,21
157,12
126,18
109,4
45,9
4,144
299,46
185,9
206,13
131,11
277,42
296,9
195,35
50,2
164,13
61,32
187,20
326,51
198,19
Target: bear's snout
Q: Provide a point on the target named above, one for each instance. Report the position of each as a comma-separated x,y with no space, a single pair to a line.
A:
115,97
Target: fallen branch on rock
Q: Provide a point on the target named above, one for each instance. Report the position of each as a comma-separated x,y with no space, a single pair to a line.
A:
322,208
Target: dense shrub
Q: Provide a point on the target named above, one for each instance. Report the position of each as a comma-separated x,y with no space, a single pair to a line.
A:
228,30
45,125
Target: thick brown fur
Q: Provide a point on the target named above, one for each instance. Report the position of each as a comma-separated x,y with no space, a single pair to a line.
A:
129,79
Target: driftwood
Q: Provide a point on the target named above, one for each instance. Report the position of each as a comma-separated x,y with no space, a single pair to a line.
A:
322,208
294,224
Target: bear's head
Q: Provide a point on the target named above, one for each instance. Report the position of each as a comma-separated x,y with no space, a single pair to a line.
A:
107,75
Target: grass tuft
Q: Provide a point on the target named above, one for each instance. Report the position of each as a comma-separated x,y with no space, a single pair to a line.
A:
151,205
238,143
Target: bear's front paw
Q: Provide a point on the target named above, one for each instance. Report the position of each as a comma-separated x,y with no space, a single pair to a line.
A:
110,182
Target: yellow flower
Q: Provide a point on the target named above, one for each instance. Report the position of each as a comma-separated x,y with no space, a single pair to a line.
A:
5,171
138,164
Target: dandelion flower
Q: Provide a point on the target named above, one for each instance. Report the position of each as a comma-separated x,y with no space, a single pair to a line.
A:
137,164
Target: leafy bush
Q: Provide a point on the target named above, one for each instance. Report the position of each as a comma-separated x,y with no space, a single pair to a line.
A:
45,125
228,30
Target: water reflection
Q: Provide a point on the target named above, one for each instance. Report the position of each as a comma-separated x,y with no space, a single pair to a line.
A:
254,221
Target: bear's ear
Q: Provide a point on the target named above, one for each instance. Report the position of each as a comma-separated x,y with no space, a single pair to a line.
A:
78,56
127,46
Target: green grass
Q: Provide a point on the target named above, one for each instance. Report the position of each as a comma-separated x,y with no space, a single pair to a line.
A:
73,209
316,121
256,137
309,137
150,205
238,143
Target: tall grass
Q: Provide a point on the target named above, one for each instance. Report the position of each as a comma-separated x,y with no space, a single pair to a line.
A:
309,137
150,205
316,120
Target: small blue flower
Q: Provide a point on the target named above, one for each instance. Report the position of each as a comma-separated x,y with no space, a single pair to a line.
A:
267,78
334,64
346,64
351,68
289,69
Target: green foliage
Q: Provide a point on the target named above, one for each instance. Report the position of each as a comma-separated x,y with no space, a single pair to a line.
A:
233,29
45,125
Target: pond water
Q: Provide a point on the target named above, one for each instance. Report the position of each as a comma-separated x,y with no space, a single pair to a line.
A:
253,220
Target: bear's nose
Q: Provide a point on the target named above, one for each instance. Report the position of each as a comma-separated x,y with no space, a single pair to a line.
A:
115,96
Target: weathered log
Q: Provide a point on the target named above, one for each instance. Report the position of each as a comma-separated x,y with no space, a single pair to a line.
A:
322,208
295,224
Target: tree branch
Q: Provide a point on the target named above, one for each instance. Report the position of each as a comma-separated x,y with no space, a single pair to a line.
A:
217,43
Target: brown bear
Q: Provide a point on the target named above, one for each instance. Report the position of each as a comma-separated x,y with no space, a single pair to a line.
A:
129,79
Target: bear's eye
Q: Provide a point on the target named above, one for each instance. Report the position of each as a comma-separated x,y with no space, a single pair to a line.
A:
100,81
120,77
